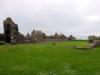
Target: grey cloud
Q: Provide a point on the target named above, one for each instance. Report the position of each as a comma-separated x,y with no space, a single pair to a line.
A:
77,17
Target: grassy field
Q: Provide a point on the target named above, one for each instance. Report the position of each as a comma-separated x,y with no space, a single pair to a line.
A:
49,59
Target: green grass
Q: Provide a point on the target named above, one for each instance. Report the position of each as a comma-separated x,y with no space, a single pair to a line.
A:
49,59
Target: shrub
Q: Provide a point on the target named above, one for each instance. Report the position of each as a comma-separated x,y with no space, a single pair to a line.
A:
53,43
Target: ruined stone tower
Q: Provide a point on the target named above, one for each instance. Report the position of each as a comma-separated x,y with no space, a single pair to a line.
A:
10,30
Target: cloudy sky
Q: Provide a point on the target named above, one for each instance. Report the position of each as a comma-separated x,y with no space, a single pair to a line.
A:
76,17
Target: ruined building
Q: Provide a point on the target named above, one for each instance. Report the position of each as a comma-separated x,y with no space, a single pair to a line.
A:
38,35
11,32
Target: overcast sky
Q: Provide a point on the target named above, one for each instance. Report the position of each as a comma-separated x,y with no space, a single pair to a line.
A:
76,17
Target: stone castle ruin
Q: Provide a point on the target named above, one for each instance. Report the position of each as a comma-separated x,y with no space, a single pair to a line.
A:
11,31
12,34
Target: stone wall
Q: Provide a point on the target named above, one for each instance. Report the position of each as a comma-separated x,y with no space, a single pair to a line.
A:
1,37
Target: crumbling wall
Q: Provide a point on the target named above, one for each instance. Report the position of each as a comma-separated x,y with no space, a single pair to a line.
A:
10,30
